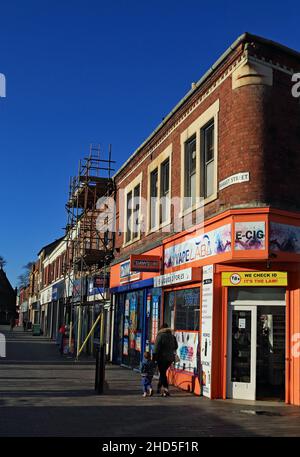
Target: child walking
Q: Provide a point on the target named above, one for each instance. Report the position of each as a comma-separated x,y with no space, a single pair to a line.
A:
147,372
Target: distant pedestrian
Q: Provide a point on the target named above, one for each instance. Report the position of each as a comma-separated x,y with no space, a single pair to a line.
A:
147,372
12,324
62,333
164,353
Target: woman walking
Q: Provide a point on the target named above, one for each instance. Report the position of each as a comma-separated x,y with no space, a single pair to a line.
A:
164,355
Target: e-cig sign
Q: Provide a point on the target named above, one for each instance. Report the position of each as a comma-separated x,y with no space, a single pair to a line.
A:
2,345
2,86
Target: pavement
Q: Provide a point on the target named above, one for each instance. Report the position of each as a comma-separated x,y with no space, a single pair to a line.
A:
44,394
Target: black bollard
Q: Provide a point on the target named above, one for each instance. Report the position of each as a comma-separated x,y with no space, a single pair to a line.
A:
100,362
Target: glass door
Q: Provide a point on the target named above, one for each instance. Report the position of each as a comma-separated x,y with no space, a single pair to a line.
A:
241,352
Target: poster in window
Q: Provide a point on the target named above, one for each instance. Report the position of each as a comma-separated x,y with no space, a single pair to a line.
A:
187,351
148,305
126,327
132,337
138,342
155,318
125,346
127,307
132,315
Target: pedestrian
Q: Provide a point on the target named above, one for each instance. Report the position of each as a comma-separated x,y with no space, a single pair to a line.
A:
12,324
164,354
147,372
24,324
62,333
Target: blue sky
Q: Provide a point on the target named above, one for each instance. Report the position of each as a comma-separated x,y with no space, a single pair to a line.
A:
85,71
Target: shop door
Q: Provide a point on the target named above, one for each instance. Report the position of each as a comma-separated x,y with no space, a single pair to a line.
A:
270,353
241,352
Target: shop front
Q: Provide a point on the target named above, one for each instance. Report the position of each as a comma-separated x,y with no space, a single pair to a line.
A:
58,293
256,343
137,309
248,306
181,311
46,310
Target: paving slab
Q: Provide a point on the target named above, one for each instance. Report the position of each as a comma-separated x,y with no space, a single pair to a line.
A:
44,394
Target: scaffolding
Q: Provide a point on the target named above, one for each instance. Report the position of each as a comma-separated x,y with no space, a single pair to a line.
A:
89,248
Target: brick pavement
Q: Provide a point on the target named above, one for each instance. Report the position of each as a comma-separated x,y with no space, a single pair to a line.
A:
43,394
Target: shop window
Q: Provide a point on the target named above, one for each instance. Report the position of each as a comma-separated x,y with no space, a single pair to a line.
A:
132,331
255,293
207,160
182,309
190,172
169,309
187,314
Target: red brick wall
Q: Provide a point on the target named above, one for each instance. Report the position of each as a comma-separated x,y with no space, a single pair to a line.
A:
258,131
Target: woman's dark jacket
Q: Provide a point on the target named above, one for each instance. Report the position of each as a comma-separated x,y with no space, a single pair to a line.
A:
165,346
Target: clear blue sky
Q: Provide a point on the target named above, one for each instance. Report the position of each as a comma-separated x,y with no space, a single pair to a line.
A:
87,71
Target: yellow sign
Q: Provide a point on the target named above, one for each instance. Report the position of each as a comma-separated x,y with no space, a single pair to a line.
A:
254,278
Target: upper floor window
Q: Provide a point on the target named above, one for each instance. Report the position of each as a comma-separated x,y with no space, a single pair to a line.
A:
207,162
153,198
159,190
190,172
199,160
132,210
164,191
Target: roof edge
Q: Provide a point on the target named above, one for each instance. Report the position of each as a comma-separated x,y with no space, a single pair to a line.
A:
245,37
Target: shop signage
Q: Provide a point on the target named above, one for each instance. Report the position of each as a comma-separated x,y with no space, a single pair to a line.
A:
126,275
46,296
284,238
97,284
147,263
173,278
254,278
205,245
58,290
250,235
207,328
234,179
79,289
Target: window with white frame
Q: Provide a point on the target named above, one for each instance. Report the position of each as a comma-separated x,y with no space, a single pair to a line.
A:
164,215
153,198
190,172
159,190
199,160
132,211
207,160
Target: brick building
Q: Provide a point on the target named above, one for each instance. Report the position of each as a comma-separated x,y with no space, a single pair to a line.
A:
213,193
7,299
